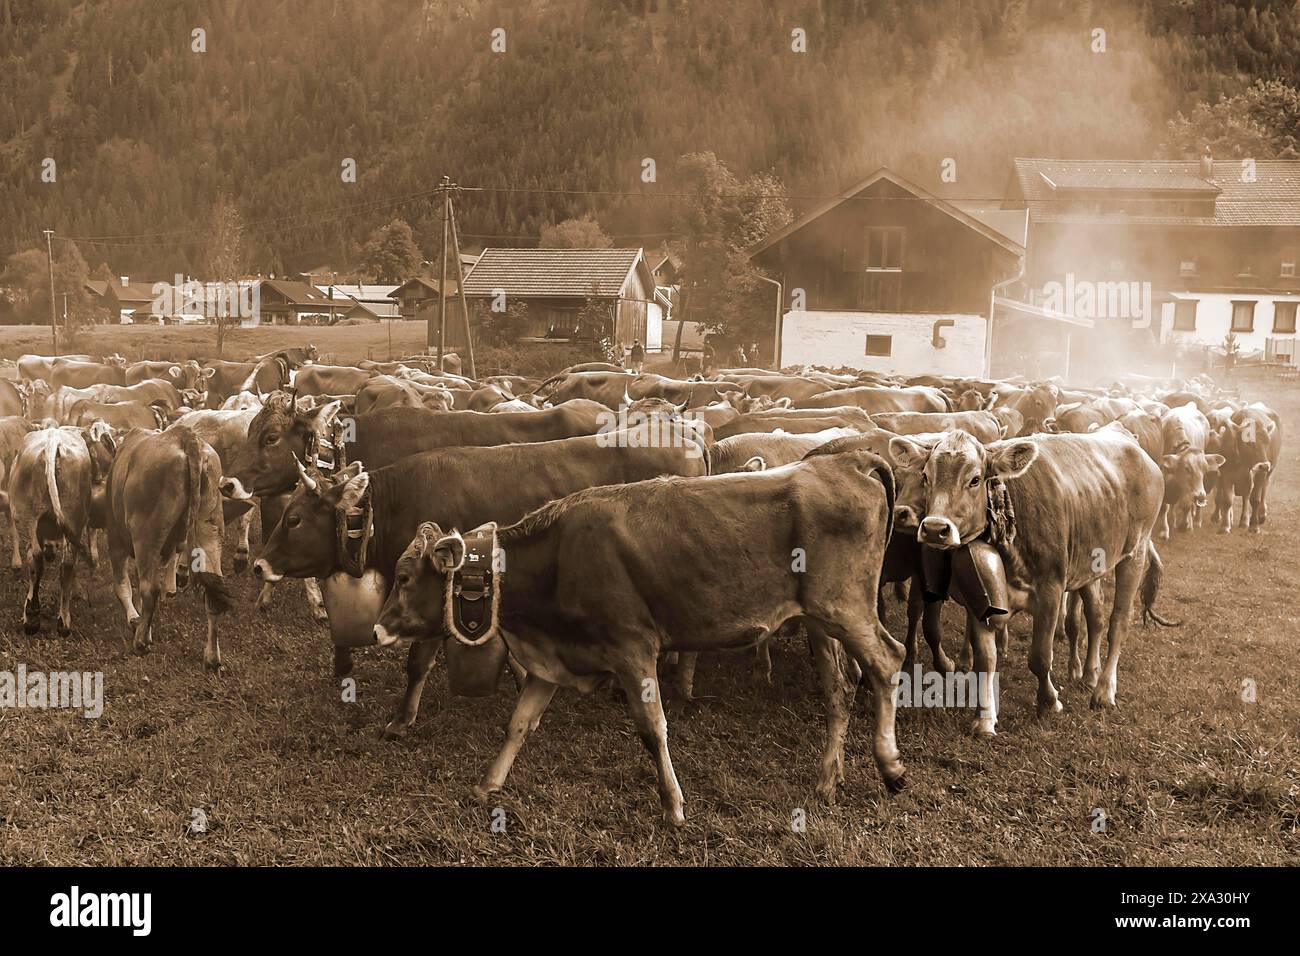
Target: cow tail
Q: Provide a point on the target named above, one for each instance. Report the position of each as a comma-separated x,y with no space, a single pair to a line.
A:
214,585
52,486
1150,587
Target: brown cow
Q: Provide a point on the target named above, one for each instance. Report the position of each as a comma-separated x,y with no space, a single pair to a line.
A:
1083,505
78,374
51,485
872,399
13,431
157,530
596,588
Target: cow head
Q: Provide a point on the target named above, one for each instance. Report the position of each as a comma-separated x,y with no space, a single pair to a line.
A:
414,608
278,437
955,475
1185,471
117,361
306,542
909,486
1037,406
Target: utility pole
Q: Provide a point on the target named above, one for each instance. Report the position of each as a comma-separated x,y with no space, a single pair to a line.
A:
54,321
451,242
460,291
442,283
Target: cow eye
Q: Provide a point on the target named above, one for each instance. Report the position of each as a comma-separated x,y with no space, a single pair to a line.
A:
975,481
403,579
293,521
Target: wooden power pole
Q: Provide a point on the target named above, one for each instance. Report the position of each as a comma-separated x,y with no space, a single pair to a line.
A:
54,317
451,243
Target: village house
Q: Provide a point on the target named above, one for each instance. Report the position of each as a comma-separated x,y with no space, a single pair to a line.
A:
561,289
1188,250
287,302
889,277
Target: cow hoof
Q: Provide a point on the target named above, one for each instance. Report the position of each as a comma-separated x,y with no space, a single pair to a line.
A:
1047,710
826,793
895,782
169,594
674,819
241,563
393,731
1102,697
63,630
212,667
482,792
32,626
983,727
140,648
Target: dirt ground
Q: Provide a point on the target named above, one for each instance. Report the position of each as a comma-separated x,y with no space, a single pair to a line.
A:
278,768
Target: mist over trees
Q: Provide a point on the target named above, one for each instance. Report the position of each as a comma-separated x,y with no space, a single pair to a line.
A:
146,131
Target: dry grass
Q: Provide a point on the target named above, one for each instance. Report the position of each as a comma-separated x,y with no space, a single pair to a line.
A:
1185,771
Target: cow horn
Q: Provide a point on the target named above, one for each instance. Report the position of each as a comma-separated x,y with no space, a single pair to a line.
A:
627,399
308,480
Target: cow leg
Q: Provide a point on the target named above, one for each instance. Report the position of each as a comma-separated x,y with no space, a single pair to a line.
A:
1047,608
15,546
684,674
150,575
762,668
1164,522
880,657
342,662
1128,574
931,626
243,525
212,645
35,569
122,587
1092,609
532,703
837,693
315,600
984,661
170,575
264,597
966,660
1223,505
67,581
92,547
652,727
419,663
1069,623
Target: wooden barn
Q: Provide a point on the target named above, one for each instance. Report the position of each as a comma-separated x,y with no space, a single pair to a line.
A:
889,277
573,293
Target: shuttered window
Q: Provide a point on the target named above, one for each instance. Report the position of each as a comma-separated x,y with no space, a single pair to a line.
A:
880,345
1185,315
885,248
1284,317
1243,316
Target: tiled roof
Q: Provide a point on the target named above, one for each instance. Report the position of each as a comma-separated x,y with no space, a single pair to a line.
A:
364,293
299,293
1272,199
567,273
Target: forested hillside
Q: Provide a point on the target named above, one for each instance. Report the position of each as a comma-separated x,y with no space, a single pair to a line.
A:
146,133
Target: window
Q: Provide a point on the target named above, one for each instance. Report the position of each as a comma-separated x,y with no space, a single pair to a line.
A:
885,248
1187,267
1243,316
1288,266
1284,317
1185,315
880,345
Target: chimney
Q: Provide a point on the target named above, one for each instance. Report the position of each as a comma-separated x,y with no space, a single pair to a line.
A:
1207,165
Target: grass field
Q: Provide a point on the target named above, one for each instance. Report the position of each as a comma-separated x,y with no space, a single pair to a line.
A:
1185,771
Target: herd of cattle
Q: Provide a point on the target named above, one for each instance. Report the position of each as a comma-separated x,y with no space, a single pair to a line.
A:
603,522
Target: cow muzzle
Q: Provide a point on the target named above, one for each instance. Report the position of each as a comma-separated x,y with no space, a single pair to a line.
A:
263,572
938,533
383,638
905,518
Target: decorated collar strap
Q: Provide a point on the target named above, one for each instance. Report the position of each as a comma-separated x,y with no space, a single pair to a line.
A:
355,527
471,609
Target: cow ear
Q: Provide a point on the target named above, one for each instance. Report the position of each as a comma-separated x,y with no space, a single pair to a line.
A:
323,415
757,463
207,373
909,454
1012,459
174,371
1167,462
1215,462
350,489
448,553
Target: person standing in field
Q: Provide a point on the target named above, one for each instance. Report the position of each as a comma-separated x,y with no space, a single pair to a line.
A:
638,356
